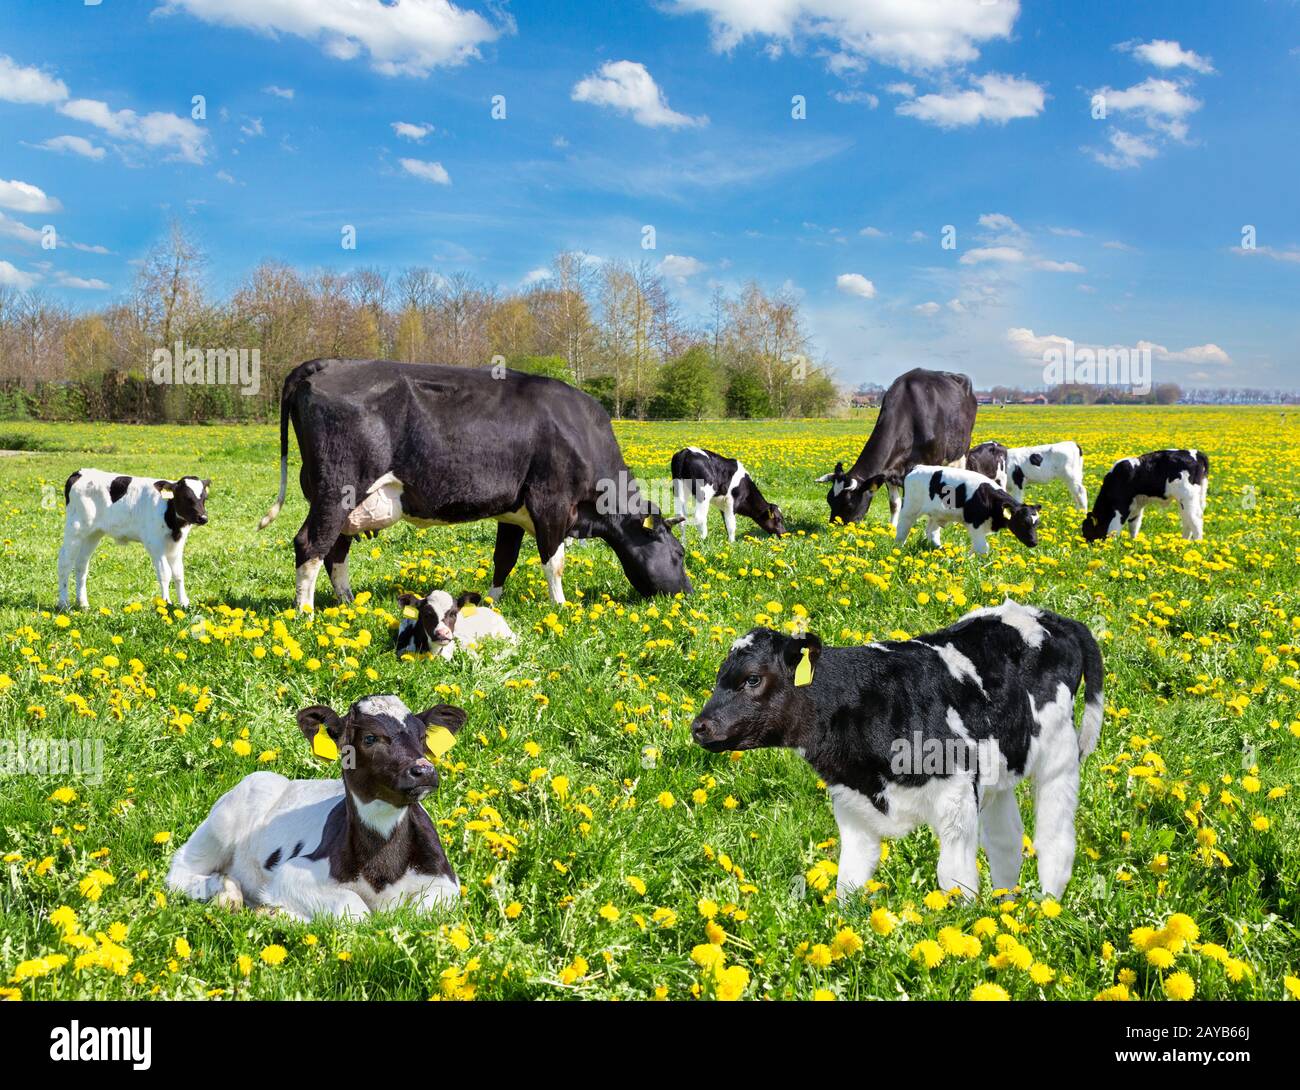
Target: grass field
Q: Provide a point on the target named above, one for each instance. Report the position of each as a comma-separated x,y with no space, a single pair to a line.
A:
602,853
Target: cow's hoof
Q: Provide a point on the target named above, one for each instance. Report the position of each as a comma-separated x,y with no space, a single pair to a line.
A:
231,896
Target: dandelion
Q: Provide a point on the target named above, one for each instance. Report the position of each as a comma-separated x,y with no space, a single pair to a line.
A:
882,921
1179,986
274,954
989,993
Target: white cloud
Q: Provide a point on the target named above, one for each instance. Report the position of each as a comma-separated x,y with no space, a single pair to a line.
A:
1059,266
1163,103
1166,54
872,232
179,135
409,131
1114,244
82,283
993,98
1200,355
680,267
907,90
29,86
536,276
25,197
929,309
917,36
11,228
1002,254
225,176
1032,346
863,98
430,172
626,86
279,92
1291,255
11,277
253,128
855,284
999,221
1127,151
75,145
402,39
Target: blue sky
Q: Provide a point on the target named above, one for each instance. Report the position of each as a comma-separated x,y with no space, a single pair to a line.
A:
1118,230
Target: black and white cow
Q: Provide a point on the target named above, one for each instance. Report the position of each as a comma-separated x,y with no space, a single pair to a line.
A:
342,847
705,478
156,512
925,418
1162,476
441,624
384,441
990,460
1012,468
934,731
943,495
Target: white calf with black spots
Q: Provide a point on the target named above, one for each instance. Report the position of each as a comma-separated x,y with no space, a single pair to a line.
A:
1160,477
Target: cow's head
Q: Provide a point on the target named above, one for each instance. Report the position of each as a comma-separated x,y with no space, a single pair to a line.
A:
849,498
189,499
772,520
382,743
653,559
1024,523
438,612
1093,529
758,700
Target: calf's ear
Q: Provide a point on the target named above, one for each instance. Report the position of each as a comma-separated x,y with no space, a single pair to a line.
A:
443,715
165,486
807,646
323,728
408,601
468,598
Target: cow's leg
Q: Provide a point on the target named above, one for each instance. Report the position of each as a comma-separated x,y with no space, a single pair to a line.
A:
1135,519
313,541
1078,493
67,556
82,568
1002,834
956,821
703,501
1055,800
553,566
895,504
859,846
505,556
905,521
163,569
729,517
979,540
175,554
336,567
933,532
679,497
302,894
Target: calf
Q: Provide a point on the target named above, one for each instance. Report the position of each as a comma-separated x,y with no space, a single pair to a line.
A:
342,847
1049,462
707,478
1162,476
441,623
156,512
990,460
942,495
937,730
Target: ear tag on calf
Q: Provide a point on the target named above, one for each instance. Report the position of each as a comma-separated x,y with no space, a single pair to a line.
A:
803,672
1006,512
410,612
323,745
649,522
468,609
437,740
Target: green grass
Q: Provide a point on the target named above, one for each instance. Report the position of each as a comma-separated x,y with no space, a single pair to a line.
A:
1199,643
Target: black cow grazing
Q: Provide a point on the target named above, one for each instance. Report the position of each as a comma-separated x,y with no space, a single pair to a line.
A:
937,730
989,460
925,418
1162,476
384,441
708,478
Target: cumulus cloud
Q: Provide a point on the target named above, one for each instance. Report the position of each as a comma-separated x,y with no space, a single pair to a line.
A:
74,145
628,88
25,197
405,39
929,309
535,276
82,283
999,254
1163,53
408,131
679,267
1032,346
29,86
1127,151
11,277
429,172
993,98
855,284
872,232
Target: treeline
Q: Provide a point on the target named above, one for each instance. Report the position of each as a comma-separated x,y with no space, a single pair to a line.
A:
612,328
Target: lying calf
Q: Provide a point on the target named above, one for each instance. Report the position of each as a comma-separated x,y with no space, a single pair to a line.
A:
441,623
707,478
941,494
332,847
937,730
1049,462
1161,476
155,512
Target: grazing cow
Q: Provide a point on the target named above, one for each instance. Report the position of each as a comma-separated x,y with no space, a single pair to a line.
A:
383,441
706,477
1048,462
156,512
937,730
342,847
941,494
990,460
925,418
1162,476
443,623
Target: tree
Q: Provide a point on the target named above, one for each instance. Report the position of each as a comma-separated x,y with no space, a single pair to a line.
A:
690,387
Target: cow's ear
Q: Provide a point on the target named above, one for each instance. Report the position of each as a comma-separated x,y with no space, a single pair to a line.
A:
468,598
800,656
165,486
319,716
408,601
675,520
443,715
833,475
207,483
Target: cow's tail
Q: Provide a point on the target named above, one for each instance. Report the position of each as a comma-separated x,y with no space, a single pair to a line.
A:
1094,707
274,509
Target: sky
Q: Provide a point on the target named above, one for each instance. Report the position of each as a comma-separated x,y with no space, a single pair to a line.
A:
964,184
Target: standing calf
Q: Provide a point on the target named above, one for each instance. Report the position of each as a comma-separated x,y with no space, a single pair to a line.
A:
1162,476
157,513
707,478
937,730
332,847
941,495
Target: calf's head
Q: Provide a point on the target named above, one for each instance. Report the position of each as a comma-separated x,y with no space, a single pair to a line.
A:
1024,523
189,499
438,612
382,744
759,698
1093,529
849,498
771,520
653,559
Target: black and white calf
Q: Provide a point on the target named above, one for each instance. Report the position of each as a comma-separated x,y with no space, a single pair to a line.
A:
341,847
933,731
1162,476
942,495
1012,468
154,511
707,478
990,460
442,623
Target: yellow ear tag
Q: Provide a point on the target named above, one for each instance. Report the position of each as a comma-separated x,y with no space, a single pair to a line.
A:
437,740
468,609
323,745
649,522
803,672
410,612
1006,512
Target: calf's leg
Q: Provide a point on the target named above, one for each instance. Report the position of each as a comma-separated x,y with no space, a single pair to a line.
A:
729,517
895,504
956,821
859,843
1002,835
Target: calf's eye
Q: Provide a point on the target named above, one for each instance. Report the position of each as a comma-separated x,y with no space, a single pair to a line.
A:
753,681
370,739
